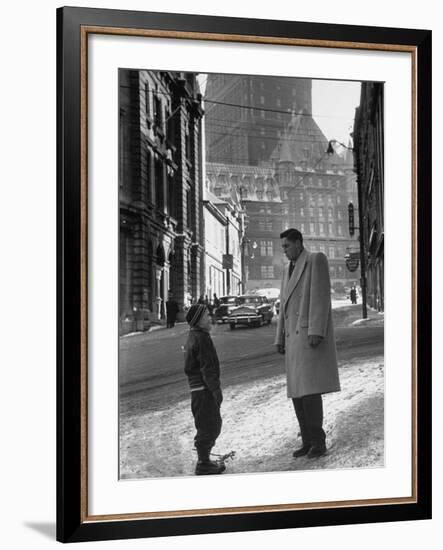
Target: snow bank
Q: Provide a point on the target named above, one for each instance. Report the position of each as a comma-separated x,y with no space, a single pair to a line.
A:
259,425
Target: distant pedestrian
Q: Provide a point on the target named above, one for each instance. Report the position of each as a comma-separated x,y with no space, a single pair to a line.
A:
215,301
201,300
305,334
171,311
203,371
353,295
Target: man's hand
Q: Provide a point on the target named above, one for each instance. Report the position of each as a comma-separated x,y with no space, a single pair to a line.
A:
281,348
218,396
314,340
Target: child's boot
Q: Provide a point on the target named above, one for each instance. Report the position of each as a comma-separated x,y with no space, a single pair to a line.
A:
205,466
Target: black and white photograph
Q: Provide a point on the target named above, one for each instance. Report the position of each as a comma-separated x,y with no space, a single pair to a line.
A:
251,274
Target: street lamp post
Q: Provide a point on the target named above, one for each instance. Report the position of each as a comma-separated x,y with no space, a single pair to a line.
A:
244,245
330,151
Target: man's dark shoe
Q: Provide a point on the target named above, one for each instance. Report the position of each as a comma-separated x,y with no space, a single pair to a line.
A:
301,452
316,451
204,468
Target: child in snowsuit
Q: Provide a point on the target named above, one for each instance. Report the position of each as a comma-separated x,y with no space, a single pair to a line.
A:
203,371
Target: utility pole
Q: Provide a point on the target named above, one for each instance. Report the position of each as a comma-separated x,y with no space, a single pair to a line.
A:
362,251
227,261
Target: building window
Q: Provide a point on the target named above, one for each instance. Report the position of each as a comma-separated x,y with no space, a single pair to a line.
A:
266,248
188,142
171,195
338,199
330,212
158,118
262,100
332,252
322,248
278,102
267,271
312,228
147,102
330,230
123,147
302,212
321,228
321,212
340,230
311,211
262,114
301,196
159,185
302,228
188,209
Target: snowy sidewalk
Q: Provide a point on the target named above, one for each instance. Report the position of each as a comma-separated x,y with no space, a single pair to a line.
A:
259,424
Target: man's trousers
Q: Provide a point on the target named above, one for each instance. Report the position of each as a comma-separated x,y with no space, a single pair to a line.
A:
309,412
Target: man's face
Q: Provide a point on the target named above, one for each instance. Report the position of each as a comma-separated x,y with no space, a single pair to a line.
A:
291,249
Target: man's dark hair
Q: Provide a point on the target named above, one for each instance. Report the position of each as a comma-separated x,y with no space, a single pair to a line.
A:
292,235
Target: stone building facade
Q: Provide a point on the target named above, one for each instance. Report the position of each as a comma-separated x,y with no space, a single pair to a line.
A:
258,196
160,194
369,166
215,248
301,186
246,115
316,189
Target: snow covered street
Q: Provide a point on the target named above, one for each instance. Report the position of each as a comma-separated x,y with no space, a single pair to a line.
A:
259,424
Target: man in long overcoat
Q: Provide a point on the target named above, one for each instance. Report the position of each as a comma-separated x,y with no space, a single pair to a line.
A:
305,334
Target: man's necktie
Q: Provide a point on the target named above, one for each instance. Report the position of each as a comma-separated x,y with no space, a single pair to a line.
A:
291,269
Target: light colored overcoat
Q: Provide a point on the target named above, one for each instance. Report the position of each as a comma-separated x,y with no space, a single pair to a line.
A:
305,309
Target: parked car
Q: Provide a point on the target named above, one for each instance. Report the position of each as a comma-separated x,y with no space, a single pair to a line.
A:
252,310
227,304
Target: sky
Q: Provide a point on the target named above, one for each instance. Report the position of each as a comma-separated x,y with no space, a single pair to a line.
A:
333,107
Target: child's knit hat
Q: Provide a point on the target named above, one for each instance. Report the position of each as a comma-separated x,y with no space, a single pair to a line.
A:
195,313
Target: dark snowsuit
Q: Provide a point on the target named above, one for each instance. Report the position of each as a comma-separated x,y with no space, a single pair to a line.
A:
203,371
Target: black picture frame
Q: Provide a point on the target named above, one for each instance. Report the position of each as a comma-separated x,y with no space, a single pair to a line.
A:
73,523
